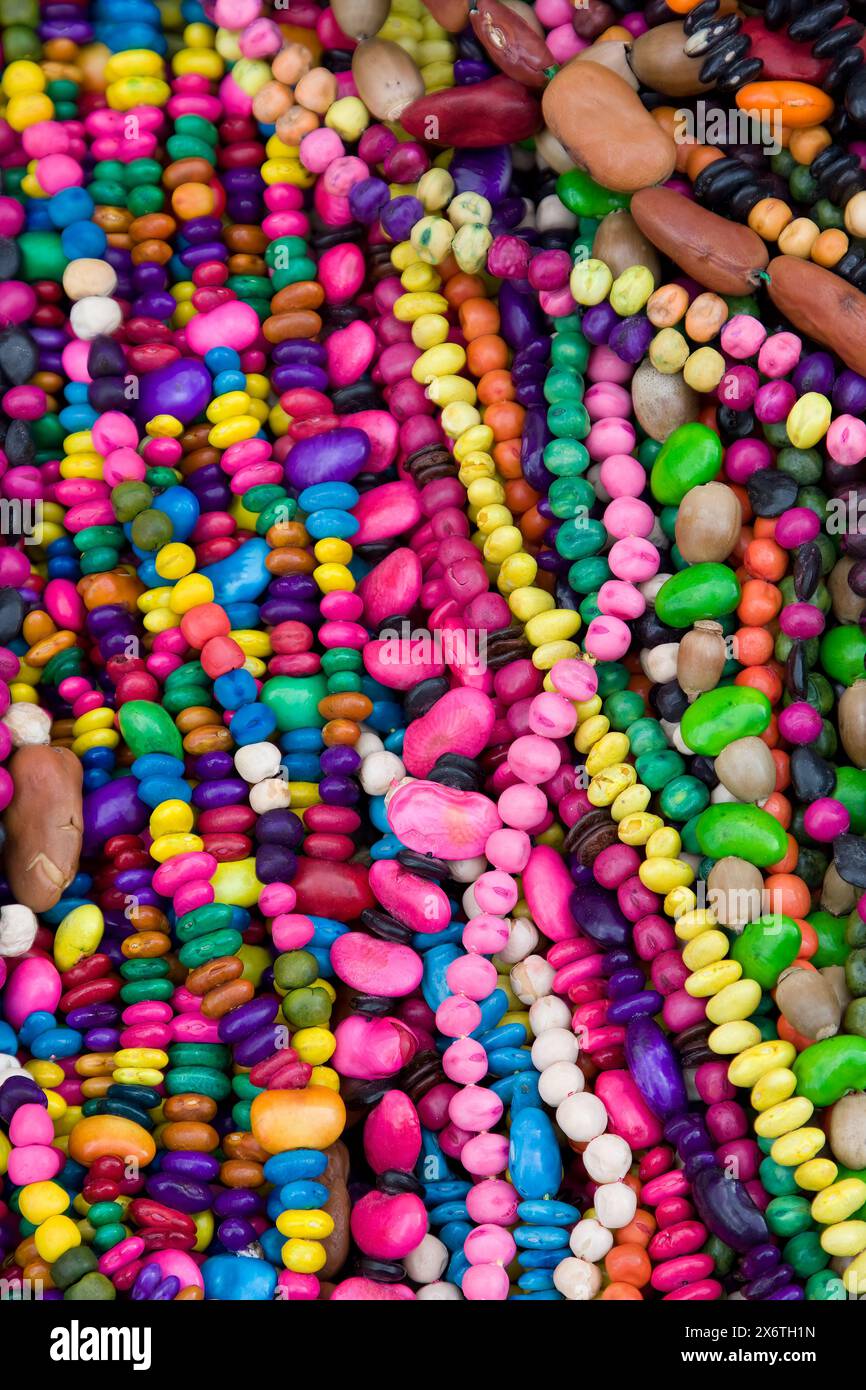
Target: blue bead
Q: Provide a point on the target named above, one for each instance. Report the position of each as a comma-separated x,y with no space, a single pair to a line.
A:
237,1278
325,931
35,1024
378,813
182,507
303,1196
8,1039
241,576
323,960
83,239
302,741
535,1279
331,522
533,1156
543,1296
235,688
222,359
57,1042
550,1213
157,765
154,790
252,724
297,1163
386,848
453,1236
95,778
540,1237
77,417
99,757
76,393
424,941
323,495
242,615
492,1008
394,742
70,205
385,715
509,1035
272,1243
540,1259
227,381
448,1211
504,1061
445,1190
301,767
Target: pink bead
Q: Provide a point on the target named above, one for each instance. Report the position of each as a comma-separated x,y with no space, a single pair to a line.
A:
276,898
607,639
779,354
31,1124
742,336
575,678
533,759
485,934
494,1200
610,436
522,807
846,440
604,365
635,559
621,600
485,1155
628,516
465,1061
457,1016
319,148
489,1244
113,431
552,715
476,1109
34,1163
472,975
291,931
389,1228
495,892
607,400
622,476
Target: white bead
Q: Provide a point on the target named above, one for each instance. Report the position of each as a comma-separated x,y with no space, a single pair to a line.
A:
368,743
440,1292
27,724
532,979
379,770
550,215
18,928
559,1081
582,1117
590,1240
522,939
428,1261
467,870
650,587
676,740
556,1045
271,795
659,664
256,761
615,1205
468,903
577,1280
721,796
551,1012
93,316
607,1158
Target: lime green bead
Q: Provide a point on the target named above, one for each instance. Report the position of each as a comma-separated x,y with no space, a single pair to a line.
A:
690,456
147,728
744,831
702,592
720,716
842,653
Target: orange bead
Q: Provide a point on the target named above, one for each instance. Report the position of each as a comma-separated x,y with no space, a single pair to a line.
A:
621,1293
506,456
809,944
478,317
519,496
639,1231
505,418
788,862
783,769
760,602
753,646
628,1264
765,526
191,200
789,1034
789,894
461,286
496,386
762,678
764,559
780,808
486,354
700,158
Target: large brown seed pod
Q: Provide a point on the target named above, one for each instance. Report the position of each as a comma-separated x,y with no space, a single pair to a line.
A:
708,523
701,657
662,401
360,19
721,255
809,1004
735,891
658,58
387,78
822,306
847,1132
747,769
847,606
514,46
603,124
852,722
44,824
620,243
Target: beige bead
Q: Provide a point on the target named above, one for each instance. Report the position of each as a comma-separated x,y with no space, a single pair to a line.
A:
855,215
89,276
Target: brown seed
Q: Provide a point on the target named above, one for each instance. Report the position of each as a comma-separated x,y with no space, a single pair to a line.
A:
44,824
708,523
189,1106
189,1135
747,769
226,997
213,974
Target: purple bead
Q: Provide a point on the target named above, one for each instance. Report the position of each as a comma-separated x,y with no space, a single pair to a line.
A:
340,759
275,864
814,373
237,1201
112,810
487,172
293,375
102,1039
89,1015
235,1233
208,766
190,1163
339,791
18,1090
185,1194
182,389
598,321
300,350
209,795
336,457
280,827
246,1018
508,258
367,198
849,393
260,1045
398,217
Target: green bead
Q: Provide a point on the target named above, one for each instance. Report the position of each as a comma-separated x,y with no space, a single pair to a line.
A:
108,1236
244,1088
109,192
783,164
295,969
242,1115
188,147
646,735
300,269
778,1180
130,498
152,529
341,659
197,126
42,256
307,1008
589,609
566,458
855,972
341,681
568,496
611,676
766,947
588,575
99,560
683,798
215,1055
568,419
697,594
723,1256
73,1265
827,1069
744,831
205,948
144,969
93,536
585,198
147,728
203,1080
718,717
826,1287
788,1216
580,536
803,465
690,456
854,1018
257,498
802,185
828,215
161,477
138,991
187,697
101,1213
144,200
569,349
689,837
190,671
655,770
140,171
93,1288
842,653
562,384
623,708
19,42
295,701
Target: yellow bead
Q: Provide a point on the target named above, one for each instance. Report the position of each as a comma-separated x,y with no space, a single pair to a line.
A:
557,625
502,541
171,818
204,1229
545,657
32,109
445,390
314,1045
692,922
45,1073
228,406
332,550
199,63
712,978
609,784
731,1038
77,936
5,1150
102,718
167,846
798,1147
23,77
839,1201
816,1174
155,598
854,1277
635,829
55,1236
706,949
141,1057
631,802
349,117
612,748
428,331
311,1225
661,875
98,738
435,189
252,642
56,1105
774,1087
40,1200
137,91
755,1062
138,1076
133,62
233,431
590,730
303,1256
844,1240
190,592
419,304
664,844
680,901
517,572
784,1117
